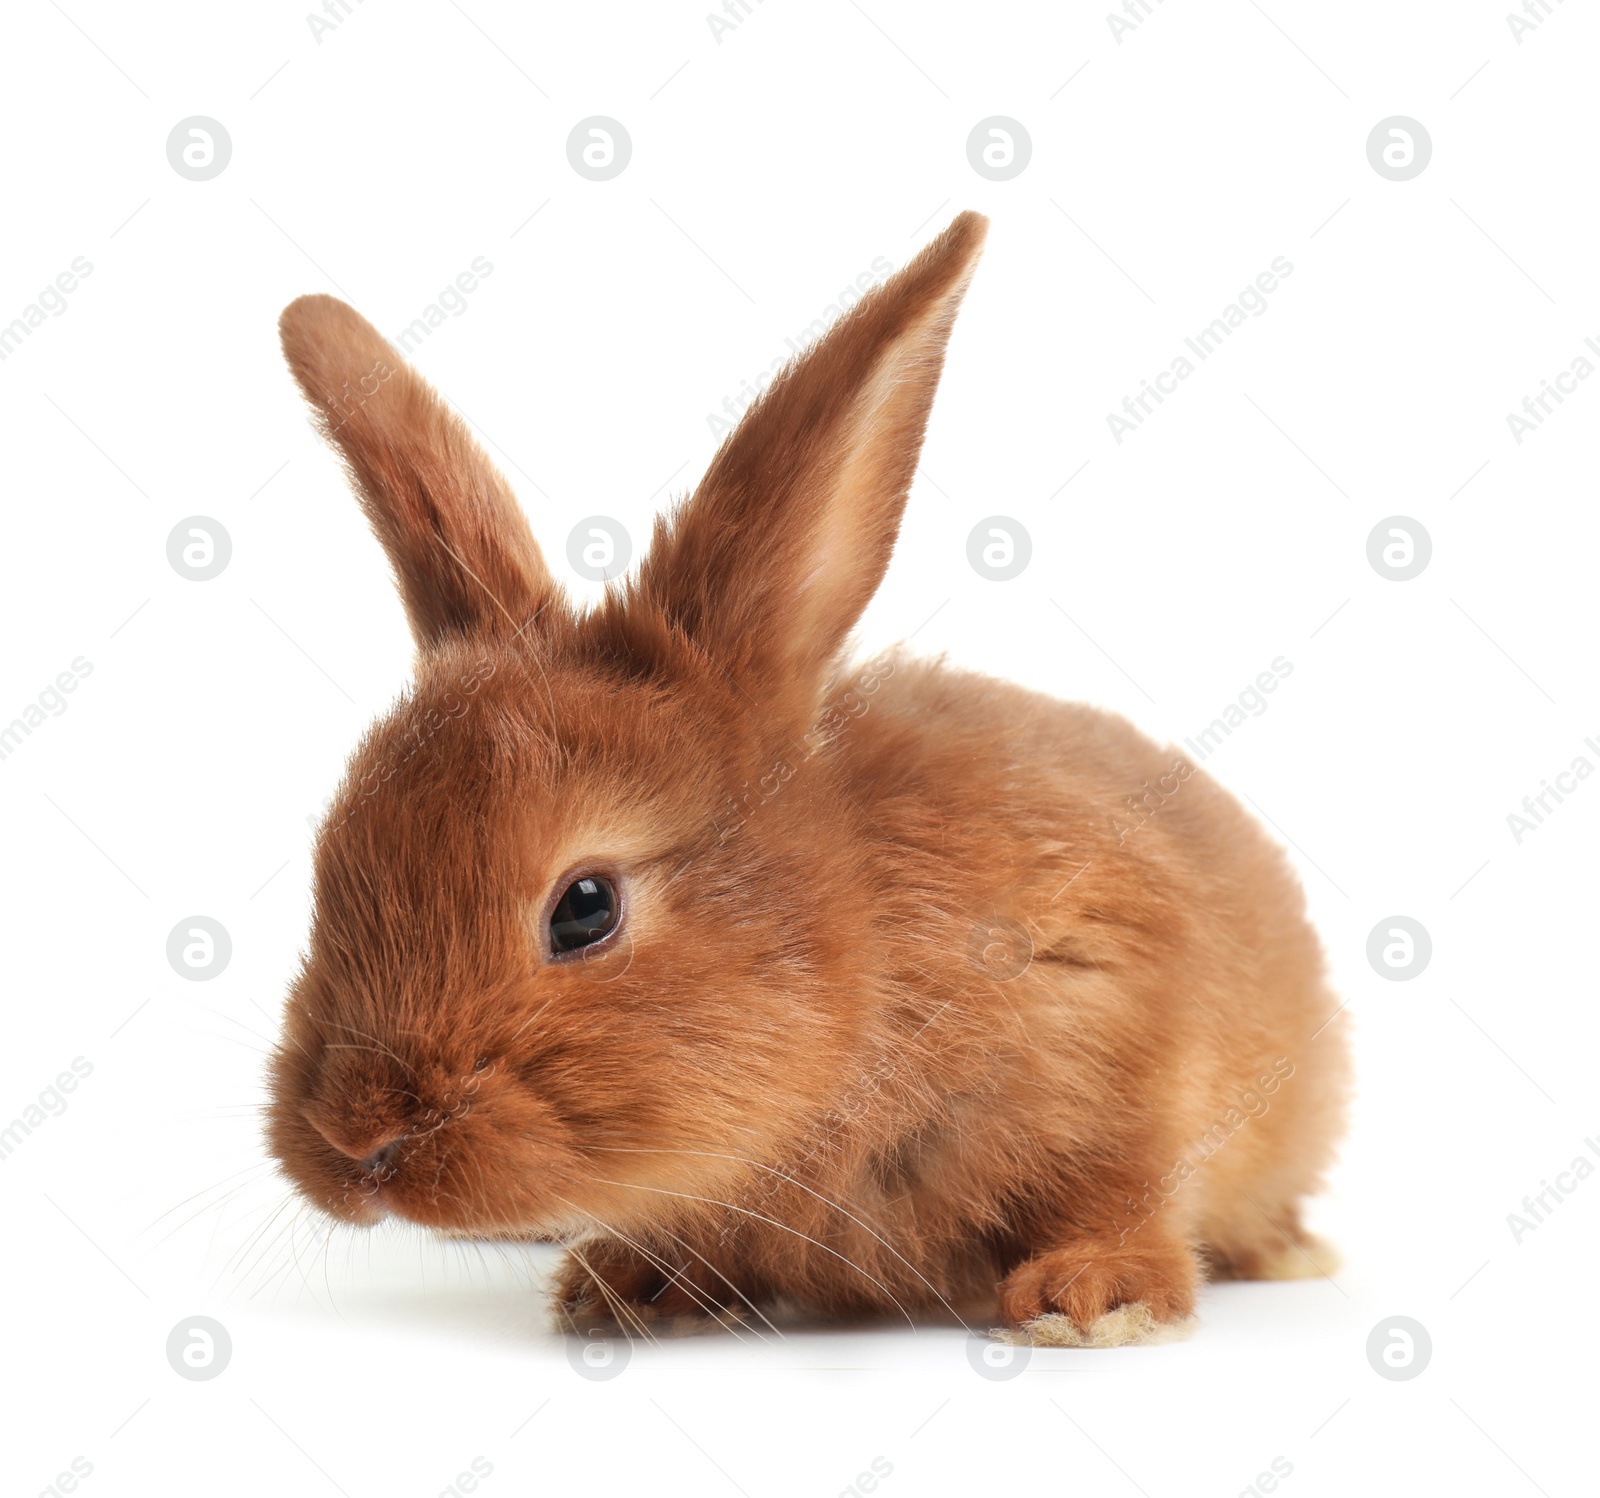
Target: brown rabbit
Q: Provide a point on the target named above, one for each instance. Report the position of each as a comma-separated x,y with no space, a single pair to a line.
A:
764,981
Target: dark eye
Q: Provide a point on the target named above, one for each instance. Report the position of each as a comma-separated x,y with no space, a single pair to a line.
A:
584,914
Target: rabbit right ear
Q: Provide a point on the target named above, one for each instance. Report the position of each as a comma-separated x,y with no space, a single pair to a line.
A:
768,566
464,558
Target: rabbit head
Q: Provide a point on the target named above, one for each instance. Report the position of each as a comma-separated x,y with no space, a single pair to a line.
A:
550,980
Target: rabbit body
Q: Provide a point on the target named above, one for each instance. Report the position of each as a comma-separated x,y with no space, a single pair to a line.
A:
763,982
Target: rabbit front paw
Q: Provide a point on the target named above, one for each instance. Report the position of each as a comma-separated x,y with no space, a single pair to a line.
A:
606,1284
1101,1294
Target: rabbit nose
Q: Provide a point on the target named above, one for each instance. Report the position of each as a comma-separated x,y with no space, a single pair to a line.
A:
371,1153
381,1158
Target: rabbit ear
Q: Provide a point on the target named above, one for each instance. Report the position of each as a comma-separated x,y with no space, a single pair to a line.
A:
770,563
463,556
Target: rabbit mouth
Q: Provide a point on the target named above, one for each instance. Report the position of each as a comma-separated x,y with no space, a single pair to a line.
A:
366,1201
366,1207
429,1190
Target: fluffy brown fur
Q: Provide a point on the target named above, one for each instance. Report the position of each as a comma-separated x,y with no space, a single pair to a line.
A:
908,1011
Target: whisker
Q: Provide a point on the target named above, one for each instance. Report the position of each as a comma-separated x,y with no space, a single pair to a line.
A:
771,1221
239,1254
530,1019
611,1300
784,1175
747,1299
248,1029
271,1246
200,1211
234,1040
363,1035
673,1275
254,1165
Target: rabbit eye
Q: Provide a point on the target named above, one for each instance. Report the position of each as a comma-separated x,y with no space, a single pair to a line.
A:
586,913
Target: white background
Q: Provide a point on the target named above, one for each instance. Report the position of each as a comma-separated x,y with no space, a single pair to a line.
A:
768,170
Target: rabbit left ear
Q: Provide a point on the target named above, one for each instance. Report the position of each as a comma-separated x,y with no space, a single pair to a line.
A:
768,566
464,559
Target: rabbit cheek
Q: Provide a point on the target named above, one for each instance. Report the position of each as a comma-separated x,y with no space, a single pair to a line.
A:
487,1159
